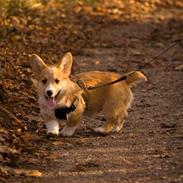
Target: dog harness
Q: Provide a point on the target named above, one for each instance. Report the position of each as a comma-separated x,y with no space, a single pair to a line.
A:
62,112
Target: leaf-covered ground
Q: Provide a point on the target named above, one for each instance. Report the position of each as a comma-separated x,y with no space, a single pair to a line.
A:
102,35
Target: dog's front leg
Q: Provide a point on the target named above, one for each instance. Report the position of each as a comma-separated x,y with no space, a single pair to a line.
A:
52,127
72,124
68,130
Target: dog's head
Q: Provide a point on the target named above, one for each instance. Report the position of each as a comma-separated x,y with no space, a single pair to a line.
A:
50,81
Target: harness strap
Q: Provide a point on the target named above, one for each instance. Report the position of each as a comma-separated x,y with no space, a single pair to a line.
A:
62,112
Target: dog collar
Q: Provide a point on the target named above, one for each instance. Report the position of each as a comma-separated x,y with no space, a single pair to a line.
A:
62,112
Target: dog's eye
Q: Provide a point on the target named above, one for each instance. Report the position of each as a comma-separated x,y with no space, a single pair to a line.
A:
57,81
44,81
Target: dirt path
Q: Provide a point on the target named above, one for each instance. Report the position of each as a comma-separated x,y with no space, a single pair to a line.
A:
148,149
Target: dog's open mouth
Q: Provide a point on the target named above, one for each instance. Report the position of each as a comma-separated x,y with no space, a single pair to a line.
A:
51,101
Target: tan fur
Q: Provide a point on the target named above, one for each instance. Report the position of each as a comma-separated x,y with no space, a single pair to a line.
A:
113,100
135,78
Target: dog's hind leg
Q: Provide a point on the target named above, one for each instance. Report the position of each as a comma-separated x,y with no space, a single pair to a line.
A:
114,113
112,124
120,122
112,120
106,127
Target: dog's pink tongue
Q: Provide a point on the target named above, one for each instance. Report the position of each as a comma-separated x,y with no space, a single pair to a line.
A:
51,103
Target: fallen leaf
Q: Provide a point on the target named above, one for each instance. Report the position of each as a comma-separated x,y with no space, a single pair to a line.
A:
179,67
27,137
164,125
29,173
3,171
7,150
35,173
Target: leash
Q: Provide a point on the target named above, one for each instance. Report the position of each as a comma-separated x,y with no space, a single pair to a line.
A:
83,86
62,112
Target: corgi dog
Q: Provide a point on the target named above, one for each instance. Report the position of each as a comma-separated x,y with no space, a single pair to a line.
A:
61,98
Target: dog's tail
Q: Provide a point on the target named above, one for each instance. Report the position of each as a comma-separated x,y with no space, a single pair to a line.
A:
134,78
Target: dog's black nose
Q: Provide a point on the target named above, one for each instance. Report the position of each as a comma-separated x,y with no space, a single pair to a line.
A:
49,93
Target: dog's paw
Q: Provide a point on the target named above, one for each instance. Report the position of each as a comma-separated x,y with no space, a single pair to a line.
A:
100,130
51,136
54,132
117,128
68,131
52,128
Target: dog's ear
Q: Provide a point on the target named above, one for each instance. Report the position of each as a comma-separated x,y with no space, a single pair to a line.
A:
37,64
35,82
66,64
